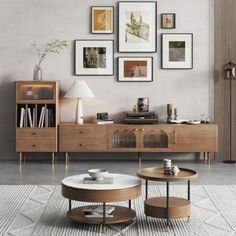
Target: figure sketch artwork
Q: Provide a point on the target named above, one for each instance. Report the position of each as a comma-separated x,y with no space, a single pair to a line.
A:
102,20
137,26
135,69
94,57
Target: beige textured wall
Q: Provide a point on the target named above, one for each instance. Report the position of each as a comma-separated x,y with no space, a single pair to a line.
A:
25,21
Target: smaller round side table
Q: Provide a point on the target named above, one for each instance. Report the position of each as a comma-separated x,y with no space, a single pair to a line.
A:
167,207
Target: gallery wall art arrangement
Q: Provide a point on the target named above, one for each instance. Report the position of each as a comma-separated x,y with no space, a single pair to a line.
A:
137,33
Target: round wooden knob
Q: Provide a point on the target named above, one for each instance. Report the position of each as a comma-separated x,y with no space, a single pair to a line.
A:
81,132
33,133
33,145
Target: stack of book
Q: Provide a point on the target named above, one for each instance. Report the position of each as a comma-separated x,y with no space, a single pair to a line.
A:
97,211
28,118
102,122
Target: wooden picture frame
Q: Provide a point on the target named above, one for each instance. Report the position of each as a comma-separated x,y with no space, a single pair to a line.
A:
94,57
177,51
137,27
168,20
102,20
135,69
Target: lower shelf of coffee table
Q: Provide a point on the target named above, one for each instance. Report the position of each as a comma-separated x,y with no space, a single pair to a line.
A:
178,207
120,215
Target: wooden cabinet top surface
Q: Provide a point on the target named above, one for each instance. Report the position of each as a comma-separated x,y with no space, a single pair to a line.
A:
122,124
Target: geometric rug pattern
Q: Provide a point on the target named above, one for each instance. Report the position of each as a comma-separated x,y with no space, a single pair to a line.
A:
40,210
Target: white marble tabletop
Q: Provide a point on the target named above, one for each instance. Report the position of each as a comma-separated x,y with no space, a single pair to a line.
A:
120,181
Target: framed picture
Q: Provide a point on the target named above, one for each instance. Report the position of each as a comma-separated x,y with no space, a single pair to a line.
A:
143,104
94,57
137,26
135,69
168,20
102,20
177,51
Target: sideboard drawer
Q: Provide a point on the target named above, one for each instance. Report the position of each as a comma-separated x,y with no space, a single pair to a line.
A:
35,133
36,145
85,131
81,145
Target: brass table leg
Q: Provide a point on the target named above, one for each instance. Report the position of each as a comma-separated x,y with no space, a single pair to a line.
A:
53,157
20,156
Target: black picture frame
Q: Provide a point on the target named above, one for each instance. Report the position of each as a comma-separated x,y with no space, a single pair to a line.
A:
154,33
91,19
174,65
143,104
162,21
92,45
134,57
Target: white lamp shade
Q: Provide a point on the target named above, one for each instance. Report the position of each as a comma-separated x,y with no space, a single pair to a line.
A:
79,89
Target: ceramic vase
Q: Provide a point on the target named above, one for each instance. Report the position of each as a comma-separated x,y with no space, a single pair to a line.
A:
37,75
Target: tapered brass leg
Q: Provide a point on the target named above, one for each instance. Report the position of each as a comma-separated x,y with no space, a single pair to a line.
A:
20,156
66,157
209,158
53,157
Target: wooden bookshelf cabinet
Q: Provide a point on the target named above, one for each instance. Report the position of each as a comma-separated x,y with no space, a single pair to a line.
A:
37,116
138,138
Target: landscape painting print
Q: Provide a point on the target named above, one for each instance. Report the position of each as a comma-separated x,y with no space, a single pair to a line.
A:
102,20
137,26
135,69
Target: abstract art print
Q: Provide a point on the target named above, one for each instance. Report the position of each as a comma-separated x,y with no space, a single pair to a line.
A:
135,69
94,57
102,20
177,51
137,26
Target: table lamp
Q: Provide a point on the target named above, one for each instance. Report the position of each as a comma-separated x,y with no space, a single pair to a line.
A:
79,89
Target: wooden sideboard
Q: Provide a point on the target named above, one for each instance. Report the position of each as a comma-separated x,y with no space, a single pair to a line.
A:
138,138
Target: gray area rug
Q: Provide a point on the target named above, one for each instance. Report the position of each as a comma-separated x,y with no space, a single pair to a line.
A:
27,210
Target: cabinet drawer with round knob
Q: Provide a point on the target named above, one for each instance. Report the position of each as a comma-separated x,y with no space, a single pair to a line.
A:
35,133
80,145
36,145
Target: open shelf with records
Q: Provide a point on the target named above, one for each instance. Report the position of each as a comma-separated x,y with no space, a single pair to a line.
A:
37,116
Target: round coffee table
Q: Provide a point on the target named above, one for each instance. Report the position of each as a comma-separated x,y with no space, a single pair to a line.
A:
123,188
167,207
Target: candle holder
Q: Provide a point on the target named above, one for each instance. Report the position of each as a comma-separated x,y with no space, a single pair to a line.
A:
169,113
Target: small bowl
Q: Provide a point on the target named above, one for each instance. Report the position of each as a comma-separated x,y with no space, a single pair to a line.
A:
98,174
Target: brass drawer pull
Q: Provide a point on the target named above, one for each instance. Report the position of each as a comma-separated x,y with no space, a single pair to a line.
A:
33,133
33,145
82,144
135,130
142,130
